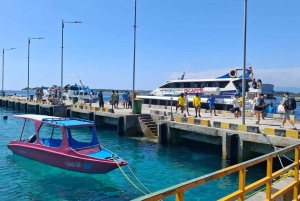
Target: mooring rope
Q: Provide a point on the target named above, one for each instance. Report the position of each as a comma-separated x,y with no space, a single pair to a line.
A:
127,176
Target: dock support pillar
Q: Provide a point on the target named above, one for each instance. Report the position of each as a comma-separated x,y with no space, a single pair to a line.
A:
120,128
51,111
91,116
69,112
13,105
25,107
232,147
240,150
6,103
1,102
224,150
37,109
163,133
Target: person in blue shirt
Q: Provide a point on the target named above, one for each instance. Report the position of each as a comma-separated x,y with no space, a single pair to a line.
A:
238,93
125,97
271,108
211,101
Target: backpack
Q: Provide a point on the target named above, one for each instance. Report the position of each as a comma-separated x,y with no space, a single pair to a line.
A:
290,104
260,102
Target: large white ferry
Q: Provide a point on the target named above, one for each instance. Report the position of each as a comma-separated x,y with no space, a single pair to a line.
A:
223,87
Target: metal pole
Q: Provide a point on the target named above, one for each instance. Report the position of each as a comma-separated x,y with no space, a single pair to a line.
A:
244,63
2,71
28,68
62,56
134,44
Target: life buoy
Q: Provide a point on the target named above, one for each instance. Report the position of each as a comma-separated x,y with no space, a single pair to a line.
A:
233,73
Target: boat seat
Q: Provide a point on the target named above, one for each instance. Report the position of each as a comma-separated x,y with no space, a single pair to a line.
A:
51,142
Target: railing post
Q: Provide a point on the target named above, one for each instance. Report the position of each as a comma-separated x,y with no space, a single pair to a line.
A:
269,182
296,173
180,196
242,181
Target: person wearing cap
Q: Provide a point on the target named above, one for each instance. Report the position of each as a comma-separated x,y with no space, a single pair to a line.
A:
286,114
100,98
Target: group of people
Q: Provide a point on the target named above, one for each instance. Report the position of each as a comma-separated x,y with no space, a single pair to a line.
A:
256,85
183,104
115,99
260,105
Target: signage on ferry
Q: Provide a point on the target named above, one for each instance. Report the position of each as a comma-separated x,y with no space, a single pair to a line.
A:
194,90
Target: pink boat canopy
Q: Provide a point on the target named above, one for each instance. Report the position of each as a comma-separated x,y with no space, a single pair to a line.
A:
68,143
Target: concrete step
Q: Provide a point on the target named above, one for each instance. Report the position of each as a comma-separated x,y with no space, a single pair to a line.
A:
153,129
152,126
150,123
146,120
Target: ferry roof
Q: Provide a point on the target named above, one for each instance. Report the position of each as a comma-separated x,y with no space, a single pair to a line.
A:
59,121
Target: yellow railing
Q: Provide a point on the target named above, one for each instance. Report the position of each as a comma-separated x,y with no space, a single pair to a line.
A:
240,194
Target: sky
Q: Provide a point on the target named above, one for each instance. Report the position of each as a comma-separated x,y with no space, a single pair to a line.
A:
171,35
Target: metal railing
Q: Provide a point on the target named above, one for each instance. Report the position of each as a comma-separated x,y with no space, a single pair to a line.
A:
179,189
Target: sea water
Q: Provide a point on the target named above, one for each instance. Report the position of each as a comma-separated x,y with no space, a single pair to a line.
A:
156,166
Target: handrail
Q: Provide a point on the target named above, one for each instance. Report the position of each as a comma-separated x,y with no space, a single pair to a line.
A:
242,189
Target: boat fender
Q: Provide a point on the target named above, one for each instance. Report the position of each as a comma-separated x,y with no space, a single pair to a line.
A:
31,139
233,73
5,117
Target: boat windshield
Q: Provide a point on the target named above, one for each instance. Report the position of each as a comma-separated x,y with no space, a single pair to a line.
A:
82,137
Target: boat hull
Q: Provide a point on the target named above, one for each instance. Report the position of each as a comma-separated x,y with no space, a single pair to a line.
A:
69,160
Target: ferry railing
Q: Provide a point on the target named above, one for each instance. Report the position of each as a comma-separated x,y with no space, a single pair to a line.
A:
179,189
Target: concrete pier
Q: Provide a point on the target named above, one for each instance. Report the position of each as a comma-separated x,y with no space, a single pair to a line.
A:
239,142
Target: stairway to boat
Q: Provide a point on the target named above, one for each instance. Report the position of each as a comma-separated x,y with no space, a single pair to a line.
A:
149,127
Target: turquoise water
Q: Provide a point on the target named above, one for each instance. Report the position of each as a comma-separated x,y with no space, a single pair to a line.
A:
155,165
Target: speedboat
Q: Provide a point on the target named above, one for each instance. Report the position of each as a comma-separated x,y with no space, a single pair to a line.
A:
67,143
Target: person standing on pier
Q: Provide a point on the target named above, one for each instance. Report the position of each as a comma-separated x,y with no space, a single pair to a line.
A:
181,101
197,104
125,97
100,98
91,97
259,104
186,103
289,105
211,101
236,106
117,99
113,99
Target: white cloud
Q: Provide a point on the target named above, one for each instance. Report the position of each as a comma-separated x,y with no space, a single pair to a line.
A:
280,77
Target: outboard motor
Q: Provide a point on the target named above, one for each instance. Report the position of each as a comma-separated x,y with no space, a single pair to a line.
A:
31,139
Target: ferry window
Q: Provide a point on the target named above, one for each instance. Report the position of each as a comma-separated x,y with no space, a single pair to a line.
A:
50,135
177,84
198,84
85,93
80,93
187,84
166,85
81,137
210,84
223,84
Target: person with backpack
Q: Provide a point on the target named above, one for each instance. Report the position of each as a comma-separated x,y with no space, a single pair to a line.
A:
259,104
289,105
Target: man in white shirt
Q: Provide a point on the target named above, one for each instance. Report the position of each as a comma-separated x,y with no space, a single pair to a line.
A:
236,107
91,98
